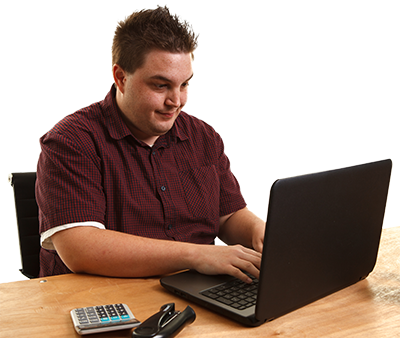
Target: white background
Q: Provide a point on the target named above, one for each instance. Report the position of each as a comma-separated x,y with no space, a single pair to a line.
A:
293,87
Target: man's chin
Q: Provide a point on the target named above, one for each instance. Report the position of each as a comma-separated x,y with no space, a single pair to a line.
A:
162,128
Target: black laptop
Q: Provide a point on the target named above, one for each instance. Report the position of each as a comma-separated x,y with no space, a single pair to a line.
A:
322,235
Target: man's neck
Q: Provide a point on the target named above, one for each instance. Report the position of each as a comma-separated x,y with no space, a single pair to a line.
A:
138,134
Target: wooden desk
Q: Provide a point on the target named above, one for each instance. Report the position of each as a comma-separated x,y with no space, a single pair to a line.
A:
371,308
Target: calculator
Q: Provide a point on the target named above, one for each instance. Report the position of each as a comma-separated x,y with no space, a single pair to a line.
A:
103,318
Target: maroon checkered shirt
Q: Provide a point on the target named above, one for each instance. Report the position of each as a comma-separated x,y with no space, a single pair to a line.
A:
92,168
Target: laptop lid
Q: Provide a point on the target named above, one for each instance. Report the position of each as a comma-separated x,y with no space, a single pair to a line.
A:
322,235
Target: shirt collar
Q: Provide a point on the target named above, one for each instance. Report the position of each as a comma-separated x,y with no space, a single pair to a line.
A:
119,130
113,120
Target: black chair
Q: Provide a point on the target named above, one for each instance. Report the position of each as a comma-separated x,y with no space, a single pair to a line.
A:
27,221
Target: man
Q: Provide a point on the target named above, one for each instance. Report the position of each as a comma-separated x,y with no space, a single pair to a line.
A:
132,186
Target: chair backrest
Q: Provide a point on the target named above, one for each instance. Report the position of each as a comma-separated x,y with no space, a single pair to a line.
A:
27,221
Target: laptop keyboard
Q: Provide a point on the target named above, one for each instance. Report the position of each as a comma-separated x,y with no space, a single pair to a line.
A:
236,293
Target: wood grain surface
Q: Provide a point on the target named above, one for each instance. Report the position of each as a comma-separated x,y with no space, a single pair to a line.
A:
371,308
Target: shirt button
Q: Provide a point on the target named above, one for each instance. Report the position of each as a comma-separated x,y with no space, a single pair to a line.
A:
163,188
169,226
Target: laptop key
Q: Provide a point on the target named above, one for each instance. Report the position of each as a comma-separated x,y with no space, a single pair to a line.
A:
224,300
210,295
236,294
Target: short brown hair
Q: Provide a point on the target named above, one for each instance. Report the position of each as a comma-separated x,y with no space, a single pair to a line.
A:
147,30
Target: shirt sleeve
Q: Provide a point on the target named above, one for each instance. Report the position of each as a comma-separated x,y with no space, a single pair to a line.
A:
45,237
68,185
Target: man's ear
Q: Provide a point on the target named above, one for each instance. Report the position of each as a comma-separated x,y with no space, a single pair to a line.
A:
119,77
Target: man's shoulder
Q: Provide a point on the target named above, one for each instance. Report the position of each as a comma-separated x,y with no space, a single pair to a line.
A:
82,120
88,120
83,126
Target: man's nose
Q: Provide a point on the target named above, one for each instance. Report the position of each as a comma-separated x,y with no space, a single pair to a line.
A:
173,98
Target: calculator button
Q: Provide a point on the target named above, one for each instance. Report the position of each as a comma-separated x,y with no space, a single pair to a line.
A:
94,319
80,314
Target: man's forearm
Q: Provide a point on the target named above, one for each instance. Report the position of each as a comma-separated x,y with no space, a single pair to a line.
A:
112,253
243,227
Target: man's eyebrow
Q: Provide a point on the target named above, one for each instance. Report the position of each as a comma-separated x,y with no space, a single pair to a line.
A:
189,77
163,78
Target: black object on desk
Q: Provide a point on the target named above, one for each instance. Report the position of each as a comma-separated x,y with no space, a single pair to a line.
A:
165,323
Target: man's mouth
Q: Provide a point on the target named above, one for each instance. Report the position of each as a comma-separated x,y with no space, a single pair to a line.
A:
166,114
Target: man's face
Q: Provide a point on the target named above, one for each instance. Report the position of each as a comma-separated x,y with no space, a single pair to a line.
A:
152,97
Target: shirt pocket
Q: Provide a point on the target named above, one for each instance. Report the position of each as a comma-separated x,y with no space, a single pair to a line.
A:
201,188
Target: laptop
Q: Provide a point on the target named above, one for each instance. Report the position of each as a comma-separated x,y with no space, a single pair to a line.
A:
322,235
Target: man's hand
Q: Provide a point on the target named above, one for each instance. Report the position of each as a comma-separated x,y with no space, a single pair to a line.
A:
230,260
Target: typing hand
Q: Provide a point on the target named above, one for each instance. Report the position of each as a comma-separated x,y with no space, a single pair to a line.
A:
231,260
